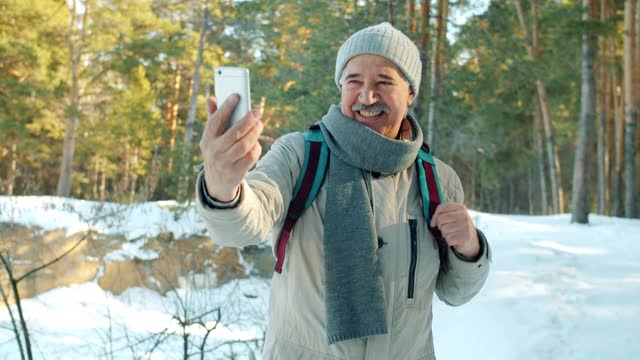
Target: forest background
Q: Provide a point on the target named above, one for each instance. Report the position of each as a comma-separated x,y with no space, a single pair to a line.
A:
535,103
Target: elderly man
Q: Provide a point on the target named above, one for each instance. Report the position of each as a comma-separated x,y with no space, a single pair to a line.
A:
357,275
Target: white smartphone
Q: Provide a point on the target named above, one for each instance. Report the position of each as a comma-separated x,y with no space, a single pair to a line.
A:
233,80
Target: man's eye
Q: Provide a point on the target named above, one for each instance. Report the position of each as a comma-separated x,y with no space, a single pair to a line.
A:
385,83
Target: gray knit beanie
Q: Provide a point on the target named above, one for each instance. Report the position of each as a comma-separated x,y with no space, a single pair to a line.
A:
384,40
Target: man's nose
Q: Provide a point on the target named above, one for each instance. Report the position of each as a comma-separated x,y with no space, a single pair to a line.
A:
368,95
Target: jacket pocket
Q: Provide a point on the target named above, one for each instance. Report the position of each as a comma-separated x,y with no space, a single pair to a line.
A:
413,260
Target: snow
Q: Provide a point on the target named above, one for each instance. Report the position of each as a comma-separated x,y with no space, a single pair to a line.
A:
135,221
556,291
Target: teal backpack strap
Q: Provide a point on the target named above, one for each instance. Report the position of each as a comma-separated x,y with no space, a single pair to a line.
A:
311,176
431,196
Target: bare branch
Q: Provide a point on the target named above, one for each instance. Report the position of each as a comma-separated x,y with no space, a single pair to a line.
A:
56,259
13,321
16,295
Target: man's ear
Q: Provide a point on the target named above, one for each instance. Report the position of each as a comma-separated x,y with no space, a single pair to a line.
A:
410,99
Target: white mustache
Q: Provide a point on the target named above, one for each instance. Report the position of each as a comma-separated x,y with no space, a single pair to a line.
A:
373,107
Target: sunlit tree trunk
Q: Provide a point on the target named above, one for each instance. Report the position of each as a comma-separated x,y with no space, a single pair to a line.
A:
580,197
75,44
188,134
531,45
173,105
94,177
537,132
134,174
436,71
411,16
123,185
630,110
13,167
103,180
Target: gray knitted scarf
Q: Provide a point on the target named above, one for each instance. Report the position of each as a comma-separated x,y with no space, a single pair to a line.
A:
354,289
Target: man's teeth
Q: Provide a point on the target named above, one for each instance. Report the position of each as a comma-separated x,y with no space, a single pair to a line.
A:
369,113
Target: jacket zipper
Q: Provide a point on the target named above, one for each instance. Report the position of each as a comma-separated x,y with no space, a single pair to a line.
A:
413,228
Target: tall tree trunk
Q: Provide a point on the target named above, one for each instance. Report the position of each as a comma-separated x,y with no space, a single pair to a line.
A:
94,177
580,198
540,160
13,167
510,205
630,68
531,45
636,86
123,185
369,8
134,174
390,10
425,13
610,152
603,159
557,195
602,118
188,134
103,179
173,105
151,180
436,68
411,16
73,113
619,142
530,190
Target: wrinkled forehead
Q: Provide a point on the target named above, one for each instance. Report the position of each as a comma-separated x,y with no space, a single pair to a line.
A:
362,64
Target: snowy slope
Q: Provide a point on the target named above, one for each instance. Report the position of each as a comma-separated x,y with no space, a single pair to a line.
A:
556,291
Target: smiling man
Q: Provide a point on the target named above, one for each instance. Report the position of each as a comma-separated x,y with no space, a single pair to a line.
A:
358,262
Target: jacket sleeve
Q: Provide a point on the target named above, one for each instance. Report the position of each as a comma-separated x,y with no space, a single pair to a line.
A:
264,196
465,277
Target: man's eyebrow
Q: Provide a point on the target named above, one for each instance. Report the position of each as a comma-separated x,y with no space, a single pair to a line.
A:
356,75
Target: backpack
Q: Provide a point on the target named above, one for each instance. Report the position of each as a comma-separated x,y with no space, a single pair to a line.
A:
312,175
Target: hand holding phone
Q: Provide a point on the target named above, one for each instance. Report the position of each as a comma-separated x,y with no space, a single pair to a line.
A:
229,143
233,80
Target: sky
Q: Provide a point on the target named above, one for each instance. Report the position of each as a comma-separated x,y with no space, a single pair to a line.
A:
460,14
555,291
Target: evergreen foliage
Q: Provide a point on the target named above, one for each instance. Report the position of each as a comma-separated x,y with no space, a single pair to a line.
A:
137,65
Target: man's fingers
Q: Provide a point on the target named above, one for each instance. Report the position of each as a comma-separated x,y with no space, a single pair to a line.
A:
239,130
244,145
212,106
209,127
441,210
448,218
250,158
454,238
219,119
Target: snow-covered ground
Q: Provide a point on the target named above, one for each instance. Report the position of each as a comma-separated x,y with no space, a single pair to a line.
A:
556,291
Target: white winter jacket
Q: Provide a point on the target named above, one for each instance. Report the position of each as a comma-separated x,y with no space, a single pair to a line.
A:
296,325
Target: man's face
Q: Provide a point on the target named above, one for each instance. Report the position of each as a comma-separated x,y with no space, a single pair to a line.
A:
375,93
